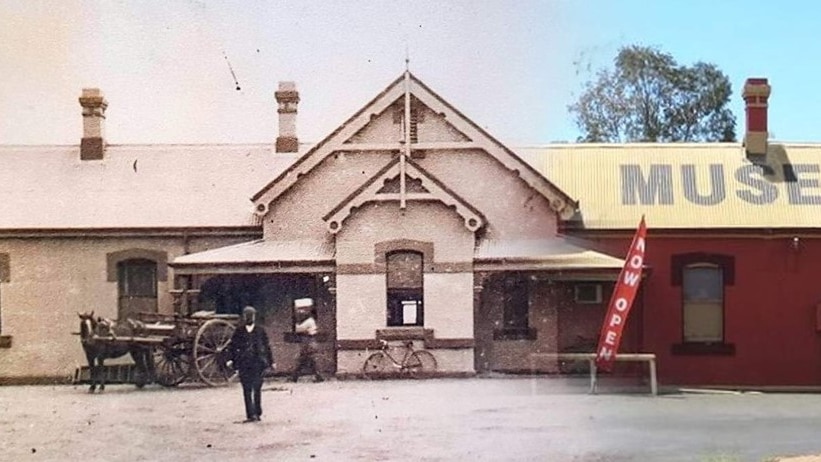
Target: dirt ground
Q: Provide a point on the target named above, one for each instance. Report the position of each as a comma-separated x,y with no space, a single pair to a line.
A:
436,420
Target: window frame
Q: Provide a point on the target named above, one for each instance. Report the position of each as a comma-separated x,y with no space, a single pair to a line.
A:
5,277
394,296
123,289
512,330
726,265
125,298
689,304
515,290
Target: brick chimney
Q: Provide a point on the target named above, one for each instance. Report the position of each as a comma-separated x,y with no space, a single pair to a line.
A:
287,99
756,93
94,104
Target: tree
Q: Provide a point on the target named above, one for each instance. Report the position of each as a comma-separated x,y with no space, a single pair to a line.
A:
648,96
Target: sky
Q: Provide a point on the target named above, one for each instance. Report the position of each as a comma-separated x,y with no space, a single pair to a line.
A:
170,70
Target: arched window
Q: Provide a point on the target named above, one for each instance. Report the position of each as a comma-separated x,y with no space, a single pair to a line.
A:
137,287
702,287
405,289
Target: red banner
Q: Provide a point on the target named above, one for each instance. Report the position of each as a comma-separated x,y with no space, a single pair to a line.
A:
622,300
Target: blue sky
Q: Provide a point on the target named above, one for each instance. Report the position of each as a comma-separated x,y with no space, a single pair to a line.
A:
511,66
777,40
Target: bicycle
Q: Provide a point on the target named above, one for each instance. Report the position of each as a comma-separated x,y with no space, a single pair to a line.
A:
415,363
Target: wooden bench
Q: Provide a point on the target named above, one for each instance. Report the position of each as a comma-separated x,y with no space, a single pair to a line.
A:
649,358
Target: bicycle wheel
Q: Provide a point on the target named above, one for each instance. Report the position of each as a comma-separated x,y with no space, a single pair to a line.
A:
420,364
377,366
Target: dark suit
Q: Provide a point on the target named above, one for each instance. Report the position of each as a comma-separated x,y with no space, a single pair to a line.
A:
251,354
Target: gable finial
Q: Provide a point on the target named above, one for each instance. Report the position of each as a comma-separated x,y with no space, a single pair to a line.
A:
407,58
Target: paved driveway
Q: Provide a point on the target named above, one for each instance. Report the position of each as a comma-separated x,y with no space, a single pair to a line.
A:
498,419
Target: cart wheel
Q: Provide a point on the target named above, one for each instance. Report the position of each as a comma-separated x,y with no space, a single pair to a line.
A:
210,352
377,366
420,364
172,363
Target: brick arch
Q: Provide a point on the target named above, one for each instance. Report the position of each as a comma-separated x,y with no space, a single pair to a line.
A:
157,256
382,249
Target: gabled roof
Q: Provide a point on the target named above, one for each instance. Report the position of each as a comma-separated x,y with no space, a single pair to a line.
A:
134,186
679,186
425,188
478,138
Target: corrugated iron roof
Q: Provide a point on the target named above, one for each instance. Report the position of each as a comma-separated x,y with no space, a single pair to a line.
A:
262,251
708,185
544,254
684,185
134,186
556,253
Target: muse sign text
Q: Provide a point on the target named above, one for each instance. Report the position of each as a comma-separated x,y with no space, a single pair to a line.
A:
798,184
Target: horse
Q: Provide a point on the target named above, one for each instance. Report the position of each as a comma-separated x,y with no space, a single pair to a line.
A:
98,350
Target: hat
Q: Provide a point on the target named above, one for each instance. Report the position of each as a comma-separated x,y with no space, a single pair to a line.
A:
249,309
303,302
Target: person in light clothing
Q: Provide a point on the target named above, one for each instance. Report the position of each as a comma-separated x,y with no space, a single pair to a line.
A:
307,330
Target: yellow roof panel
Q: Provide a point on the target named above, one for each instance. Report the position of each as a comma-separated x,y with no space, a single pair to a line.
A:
683,185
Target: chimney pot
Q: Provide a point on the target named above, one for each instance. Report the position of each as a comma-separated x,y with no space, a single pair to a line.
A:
756,95
287,98
94,104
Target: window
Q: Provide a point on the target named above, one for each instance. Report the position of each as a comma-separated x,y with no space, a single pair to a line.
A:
137,287
3,340
703,301
703,278
4,277
588,294
516,302
138,278
404,288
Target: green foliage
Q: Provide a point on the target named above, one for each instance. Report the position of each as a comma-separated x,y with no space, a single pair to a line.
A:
648,96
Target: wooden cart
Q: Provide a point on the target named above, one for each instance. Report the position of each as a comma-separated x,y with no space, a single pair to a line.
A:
184,348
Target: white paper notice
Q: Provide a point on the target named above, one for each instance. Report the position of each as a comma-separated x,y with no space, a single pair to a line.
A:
409,311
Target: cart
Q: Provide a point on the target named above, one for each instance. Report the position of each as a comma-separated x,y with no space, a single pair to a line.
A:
183,348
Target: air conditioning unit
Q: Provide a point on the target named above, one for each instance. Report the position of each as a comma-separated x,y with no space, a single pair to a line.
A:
588,294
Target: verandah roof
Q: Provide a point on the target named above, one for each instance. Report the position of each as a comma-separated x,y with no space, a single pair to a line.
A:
259,256
556,254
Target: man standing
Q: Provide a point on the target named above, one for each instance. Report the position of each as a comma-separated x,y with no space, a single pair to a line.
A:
306,328
251,355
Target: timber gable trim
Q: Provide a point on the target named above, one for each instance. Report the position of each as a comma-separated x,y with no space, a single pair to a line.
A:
324,148
559,201
370,192
339,140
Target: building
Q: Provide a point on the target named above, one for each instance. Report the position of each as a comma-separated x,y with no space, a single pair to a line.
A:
410,222
731,297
